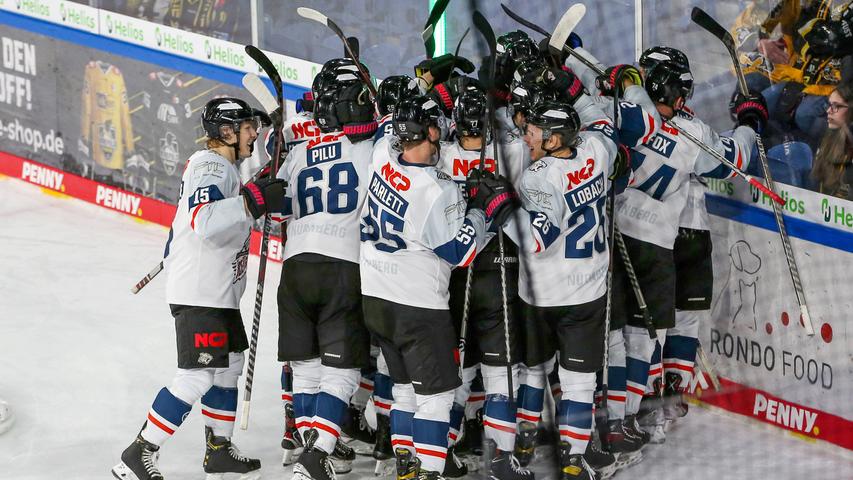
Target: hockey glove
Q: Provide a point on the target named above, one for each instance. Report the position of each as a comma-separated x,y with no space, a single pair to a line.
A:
612,83
441,68
355,111
750,111
495,196
821,39
445,94
574,41
264,196
562,80
622,163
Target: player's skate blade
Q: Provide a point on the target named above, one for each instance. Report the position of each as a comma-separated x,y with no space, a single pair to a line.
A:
255,475
123,472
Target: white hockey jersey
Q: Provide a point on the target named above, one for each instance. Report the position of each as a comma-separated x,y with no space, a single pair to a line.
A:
414,230
695,215
208,245
384,127
296,129
565,200
650,207
326,179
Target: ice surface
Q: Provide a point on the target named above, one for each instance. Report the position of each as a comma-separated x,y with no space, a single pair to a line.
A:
82,359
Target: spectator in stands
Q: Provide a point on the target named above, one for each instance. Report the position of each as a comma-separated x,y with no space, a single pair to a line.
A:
832,172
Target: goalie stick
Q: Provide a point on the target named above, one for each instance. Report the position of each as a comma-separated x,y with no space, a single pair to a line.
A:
714,28
311,14
707,367
271,71
689,136
255,85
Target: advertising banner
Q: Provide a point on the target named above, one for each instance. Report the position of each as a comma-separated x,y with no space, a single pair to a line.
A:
774,371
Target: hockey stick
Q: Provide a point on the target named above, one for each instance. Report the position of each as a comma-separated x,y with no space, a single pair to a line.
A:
488,33
564,27
311,14
689,136
256,87
147,278
714,28
270,70
429,27
706,366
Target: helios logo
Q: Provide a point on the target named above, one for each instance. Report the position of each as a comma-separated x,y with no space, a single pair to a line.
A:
76,17
125,30
792,204
33,7
825,210
836,214
784,414
174,41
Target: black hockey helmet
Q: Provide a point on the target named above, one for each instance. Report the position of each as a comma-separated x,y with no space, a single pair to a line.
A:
325,111
668,81
526,95
516,46
556,117
333,78
654,55
343,63
413,117
392,90
469,113
229,111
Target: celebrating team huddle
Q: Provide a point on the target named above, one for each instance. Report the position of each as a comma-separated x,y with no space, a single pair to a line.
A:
457,247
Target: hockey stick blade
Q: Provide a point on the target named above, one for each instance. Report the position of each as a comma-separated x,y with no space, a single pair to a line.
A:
566,25
524,22
311,14
267,66
701,18
429,27
256,86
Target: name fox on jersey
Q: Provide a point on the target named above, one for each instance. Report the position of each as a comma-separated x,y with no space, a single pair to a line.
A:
662,145
400,182
324,153
387,196
586,195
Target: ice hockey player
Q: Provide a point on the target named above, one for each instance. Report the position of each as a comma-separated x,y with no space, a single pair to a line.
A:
647,213
296,130
563,279
208,250
321,328
415,228
485,340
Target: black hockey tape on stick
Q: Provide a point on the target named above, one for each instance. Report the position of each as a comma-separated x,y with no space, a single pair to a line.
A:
311,14
429,27
271,71
714,28
635,284
354,46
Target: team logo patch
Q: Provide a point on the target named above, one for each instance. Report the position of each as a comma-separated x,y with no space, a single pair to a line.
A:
577,177
205,358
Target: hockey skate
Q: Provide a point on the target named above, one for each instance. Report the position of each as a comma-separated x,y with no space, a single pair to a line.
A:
504,466
382,450
654,426
291,442
359,436
408,465
342,457
6,417
624,446
674,406
471,442
428,475
313,463
525,443
602,461
139,461
221,457
454,467
573,466
633,428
